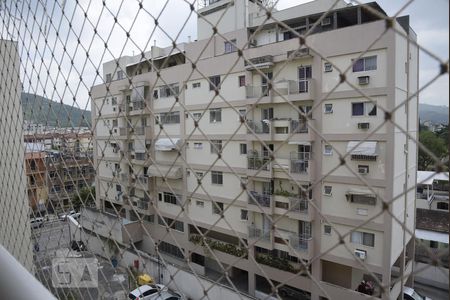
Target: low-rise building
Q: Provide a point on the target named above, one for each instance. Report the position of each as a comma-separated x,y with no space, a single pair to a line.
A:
36,172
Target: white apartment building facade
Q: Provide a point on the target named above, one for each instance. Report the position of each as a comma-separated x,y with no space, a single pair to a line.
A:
184,135
15,231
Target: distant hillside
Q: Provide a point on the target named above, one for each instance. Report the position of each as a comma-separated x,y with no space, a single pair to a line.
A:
433,113
41,110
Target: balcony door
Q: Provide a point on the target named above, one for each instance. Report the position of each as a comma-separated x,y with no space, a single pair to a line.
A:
304,229
304,74
265,83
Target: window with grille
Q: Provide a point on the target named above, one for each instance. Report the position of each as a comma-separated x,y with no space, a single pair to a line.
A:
215,115
216,146
214,82
216,177
170,249
170,118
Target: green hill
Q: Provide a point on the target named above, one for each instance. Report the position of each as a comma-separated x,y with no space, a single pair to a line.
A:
434,113
41,110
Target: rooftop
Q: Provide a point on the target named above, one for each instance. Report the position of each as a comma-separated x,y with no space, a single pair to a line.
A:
427,177
433,220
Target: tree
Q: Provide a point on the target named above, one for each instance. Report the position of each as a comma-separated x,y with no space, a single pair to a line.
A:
435,145
84,197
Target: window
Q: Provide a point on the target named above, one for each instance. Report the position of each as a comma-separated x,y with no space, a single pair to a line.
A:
327,229
365,64
244,215
217,208
198,146
214,82
170,249
215,115
216,146
364,109
363,169
328,67
170,198
327,190
200,203
442,205
243,149
171,223
363,238
328,150
362,199
199,174
242,80
170,118
196,116
328,108
114,101
120,75
108,77
169,90
196,85
242,114
216,177
230,46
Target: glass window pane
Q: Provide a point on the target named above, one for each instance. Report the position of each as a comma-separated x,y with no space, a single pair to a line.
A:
358,109
370,63
358,66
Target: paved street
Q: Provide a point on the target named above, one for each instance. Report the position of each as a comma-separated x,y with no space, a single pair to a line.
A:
54,236
431,292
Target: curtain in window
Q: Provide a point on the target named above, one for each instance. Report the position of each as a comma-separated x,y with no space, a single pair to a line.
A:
370,63
356,237
358,66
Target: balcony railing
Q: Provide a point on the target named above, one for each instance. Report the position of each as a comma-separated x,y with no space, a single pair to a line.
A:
123,131
299,162
138,105
262,199
298,205
300,242
299,126
256,161
141,130
256,91
258,127
258,233
142,179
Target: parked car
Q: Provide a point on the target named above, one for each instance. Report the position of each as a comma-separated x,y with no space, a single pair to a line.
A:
78,246
146,291
167,295
411,294
71,213
37,222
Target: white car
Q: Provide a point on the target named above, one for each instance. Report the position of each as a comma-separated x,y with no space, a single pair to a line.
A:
37,222
166,295
71,213
146,291
411,294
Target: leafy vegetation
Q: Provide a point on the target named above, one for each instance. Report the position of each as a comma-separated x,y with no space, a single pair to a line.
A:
41,110
84,197
435,143
218,245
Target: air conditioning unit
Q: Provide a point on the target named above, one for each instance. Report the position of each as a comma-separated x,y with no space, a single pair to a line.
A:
361,254
363,80
363,171
326,21
253,43
363,125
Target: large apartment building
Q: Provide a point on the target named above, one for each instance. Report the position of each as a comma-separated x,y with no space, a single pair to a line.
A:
259,139
15,231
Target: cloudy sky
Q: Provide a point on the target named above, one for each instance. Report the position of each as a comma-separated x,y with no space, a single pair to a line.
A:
66,72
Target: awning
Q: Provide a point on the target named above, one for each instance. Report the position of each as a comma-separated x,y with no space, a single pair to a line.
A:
364,148
169,172
431,236
167,144
361,192
305,143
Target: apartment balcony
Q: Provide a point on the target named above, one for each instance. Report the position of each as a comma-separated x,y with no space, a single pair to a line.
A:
256,233
256,91
293,90
137,105
299,164
259,62
260,202
302,244
298,126
124,131
218,245
143,131
258,127
299,209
